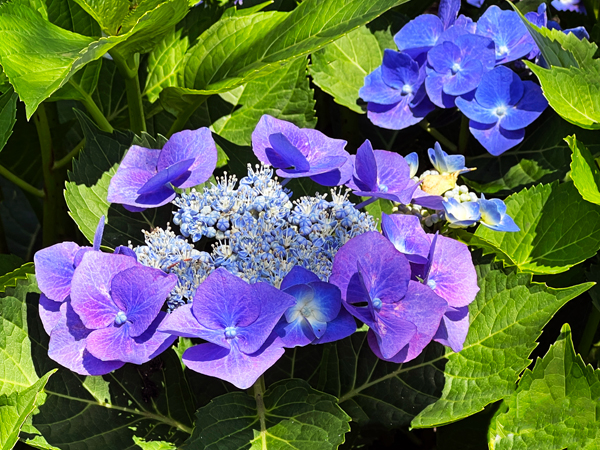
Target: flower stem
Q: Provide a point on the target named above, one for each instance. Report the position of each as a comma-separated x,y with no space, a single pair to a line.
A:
439,136
21,183
128,68
259,392
589,332
463,137
69,157
92,109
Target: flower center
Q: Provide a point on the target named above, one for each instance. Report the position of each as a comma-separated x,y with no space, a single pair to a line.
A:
306,311
230,333
120,318
383,188
432,284
407,89
502,50
455,68
500,111
377,303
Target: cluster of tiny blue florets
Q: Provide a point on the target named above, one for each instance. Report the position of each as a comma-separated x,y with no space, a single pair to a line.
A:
260,233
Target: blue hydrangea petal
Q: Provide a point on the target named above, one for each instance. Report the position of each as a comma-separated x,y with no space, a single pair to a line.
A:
499,87
283,155
303,295
434,202
494,138
400,115
476,3
365,167
443,56
573,6
463,25
197,145
413,163
453,328
178,171
295,334
434,85
268,125
580,32
327,301
529,108
475,111
98,234
461,214
232,365
407,235
126,183
50,314
54,269
298,275
419,35
341,327
90,289
319,327
140,292
375,90
123,250
493,215
398,70
443,162
508,32
182,322
324,165
448,11
67,346
465,80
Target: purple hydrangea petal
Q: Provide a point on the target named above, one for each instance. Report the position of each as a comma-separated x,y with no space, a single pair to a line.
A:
68,346
494,138
389,269
182,322
453,328
166,176
435,202
268,125
321,146
475,111
90,290
140,158
123,250
393,171
528,109
141,292
324,165
54,269
336,177
49,313
339,328
365,167
79,255
419,35
98,234
232,365
452,274
499,87
443,162
392,330
295,334
407,235
476,3
152,342
510,35
273,304
224,300
198,145
448,11
283,155
126,183
375,90
298,275
398,70
399,116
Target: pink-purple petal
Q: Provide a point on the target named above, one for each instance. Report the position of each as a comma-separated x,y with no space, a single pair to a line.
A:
407,235
54,269
453,328
49,313
166,176
268,125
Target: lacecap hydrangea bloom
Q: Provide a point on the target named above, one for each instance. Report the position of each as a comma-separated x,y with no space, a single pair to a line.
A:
448,60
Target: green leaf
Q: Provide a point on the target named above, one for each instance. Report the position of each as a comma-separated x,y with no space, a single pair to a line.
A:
87,189
550,240
8,263
153,445
340,68
10,278
110,94
108,13
284,94
8,115
163,62
293,416
470,433
81,85
379,207
554,407
69,15
584,171
16,408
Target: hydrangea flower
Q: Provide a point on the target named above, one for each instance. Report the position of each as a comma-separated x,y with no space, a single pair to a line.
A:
461,214
493,215
381,174
146,176
237,320
508,32
456,67
318,315
402,315
445,163
501,108
407,235
395,92
569,5
300,152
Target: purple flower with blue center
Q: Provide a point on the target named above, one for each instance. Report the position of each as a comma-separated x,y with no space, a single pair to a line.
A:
457,67
508,32
318,316
146,177
395,92
381,174
493,215
237,320
569,5
461,214
407,235
301,152
402,315
502,106
450,273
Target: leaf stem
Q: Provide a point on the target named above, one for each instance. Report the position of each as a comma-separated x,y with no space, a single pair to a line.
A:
128,68
184,115
69,157
589,332
92,109
259,392
463,137
439,136
21,183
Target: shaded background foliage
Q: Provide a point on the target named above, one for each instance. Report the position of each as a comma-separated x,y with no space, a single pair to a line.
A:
162,77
